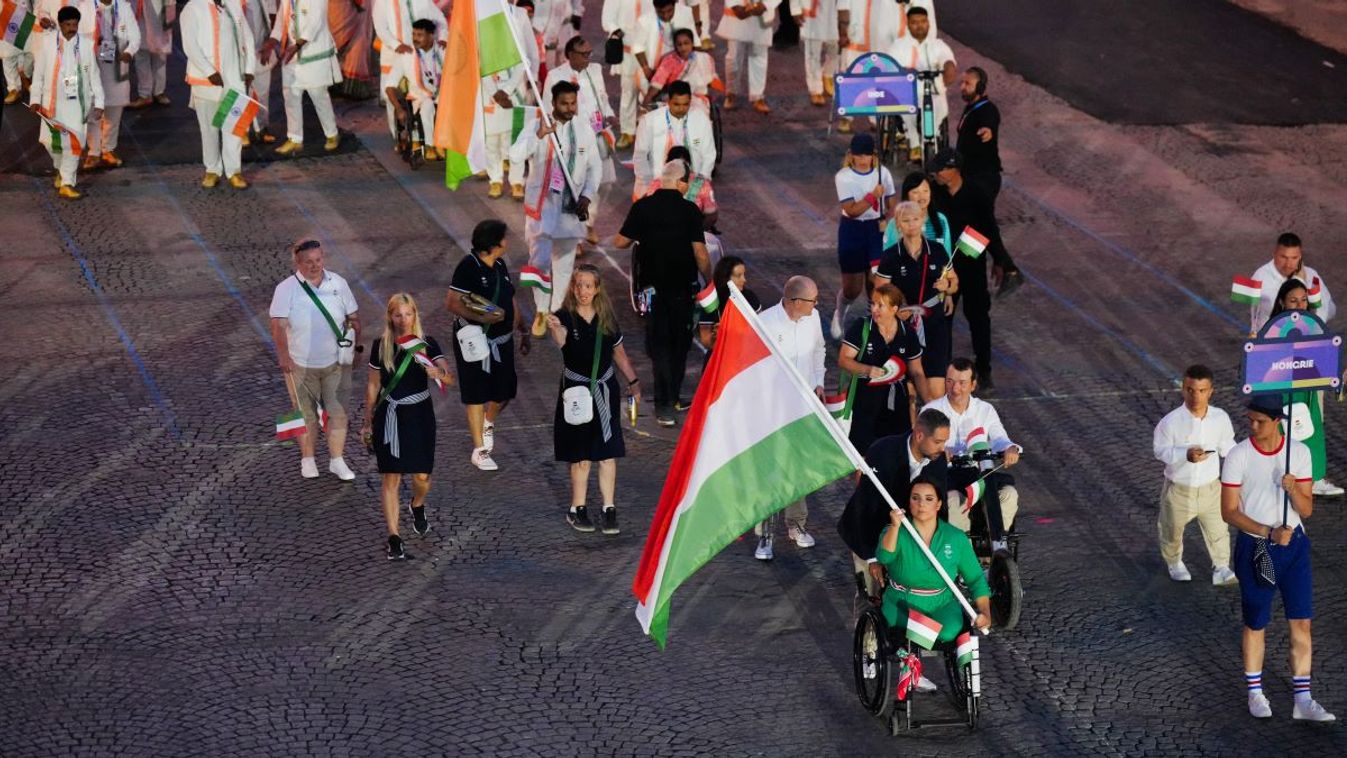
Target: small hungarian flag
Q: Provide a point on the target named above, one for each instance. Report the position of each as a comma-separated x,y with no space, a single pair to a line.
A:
976,441
971,243
289,425
417,347
895,369
836,404
1316,294
708,299
236,112
922,629
973,493
533,277
1247,291
15,24
966,646
909,675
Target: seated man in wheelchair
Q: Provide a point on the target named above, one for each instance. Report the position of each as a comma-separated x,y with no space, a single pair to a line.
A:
914,584
975,426
418,84
687,65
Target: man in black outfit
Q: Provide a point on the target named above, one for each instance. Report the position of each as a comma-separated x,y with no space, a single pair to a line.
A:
670,252
979,133
966,205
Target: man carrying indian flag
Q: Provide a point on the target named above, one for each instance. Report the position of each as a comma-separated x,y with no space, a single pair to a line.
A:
220,61
67,93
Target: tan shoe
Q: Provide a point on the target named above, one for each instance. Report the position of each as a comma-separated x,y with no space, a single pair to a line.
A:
828,86
162,100
289,147
729,103
593,237
90,162
210,180
238,182
494,190
12,98
761,106
246,140
139,103
69,193
57,184
844,125
111,160
434,154
914,154
539,324
266,137
517,191
332,143
818,100
624,141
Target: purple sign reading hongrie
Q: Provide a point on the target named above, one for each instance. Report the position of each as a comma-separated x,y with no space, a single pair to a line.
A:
1287,365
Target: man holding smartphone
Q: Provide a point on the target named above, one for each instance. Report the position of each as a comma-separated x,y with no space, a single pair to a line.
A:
1189,441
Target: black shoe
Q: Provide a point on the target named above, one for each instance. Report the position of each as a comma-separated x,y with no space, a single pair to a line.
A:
1010,282
664,416
419,523
683,404
578,518
610,521
395,551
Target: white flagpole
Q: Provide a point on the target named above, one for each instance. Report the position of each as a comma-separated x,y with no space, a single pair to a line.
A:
840,438
543,104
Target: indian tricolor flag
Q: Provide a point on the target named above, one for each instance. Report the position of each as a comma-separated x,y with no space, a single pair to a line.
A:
976,441
973,493
755,440
965,647
15,24
1247,291
922,629
289,425
417,347
708,299
481,42
535,278
971,243
236,113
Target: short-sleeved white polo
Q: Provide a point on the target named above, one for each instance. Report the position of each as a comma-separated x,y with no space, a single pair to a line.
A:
312,342
1258,475
852,185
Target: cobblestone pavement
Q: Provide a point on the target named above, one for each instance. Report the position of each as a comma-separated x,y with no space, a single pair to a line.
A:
172,587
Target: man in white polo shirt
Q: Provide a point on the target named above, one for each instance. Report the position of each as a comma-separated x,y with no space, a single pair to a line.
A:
793,324
1266,502
313,317
1189,440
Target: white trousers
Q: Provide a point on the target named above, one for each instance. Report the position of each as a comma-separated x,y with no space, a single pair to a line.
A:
294,107
497,150
221,152
629,104
820,60
151,74
262,87
554,255
66,164
741,55
102,135
16,63
912,124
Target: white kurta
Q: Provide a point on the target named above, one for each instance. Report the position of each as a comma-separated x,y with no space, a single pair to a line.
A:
66,86
820,20
393,26
49,8
115,25
930,54
592,107
216,39
498,119
543,191
316,65
755,30
154,38
422,70
654,37
659,131
14,58
875,24
551,18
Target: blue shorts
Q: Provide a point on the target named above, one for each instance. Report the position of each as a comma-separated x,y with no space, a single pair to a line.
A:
1294,580
859,244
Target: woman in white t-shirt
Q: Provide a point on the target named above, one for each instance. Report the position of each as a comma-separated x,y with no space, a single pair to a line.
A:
866,193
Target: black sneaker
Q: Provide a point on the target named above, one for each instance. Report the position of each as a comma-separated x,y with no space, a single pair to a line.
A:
610,521
578,518
1010,282
395,551
419,523
664,416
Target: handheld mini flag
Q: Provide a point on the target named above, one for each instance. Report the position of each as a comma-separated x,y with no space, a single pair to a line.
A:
289,425
236,113
966,646
708,299
417,347
1316,294
15,24
836,404
971,243
894,370
1247,291
976,441
922,629
535,278
973,493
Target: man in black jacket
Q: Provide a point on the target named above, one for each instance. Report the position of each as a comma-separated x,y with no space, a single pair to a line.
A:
979,134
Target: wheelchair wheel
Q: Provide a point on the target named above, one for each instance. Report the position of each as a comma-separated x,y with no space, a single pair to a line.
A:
892,151
1007,592
872,663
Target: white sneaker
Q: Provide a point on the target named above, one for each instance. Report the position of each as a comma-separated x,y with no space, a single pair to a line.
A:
481,458
1310,711
764,551
488,436
1259,707
1179,573
308,468
802,538
1223,576
1325,488
926,685
338,466
837,325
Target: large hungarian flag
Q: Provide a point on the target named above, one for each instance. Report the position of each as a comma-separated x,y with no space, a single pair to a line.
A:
481,42
755,440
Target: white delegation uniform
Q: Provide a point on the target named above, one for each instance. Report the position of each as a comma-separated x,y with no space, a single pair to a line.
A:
216,38
258,15
19,62
658,132
930,54
422,70
156,43
49,8
393,26
623,16
749,40
115,32
552,19
498,120
552,234
592,108
875,24
313,69
819,34
66,85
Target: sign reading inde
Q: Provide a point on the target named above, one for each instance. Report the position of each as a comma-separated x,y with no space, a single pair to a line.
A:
875,85
1292,352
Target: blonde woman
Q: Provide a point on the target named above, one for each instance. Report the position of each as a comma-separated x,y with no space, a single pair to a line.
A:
923,270
399,417
591,348
866,194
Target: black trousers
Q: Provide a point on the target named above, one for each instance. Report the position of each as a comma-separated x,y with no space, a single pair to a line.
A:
989,182
977,309
668,338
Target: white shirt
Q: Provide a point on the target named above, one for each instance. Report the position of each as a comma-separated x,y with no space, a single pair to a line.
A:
658,131
978,415
593,105
1180,430
852,185
421,68
198,24
914,465
801,342
1272,280
754,30
875,24
930,54
820,19
654,37
1258,476
312,343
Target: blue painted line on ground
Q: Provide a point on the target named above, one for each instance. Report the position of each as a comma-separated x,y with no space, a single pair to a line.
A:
76,252
1128,255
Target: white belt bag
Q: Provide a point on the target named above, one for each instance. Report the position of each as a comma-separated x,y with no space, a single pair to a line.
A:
472,343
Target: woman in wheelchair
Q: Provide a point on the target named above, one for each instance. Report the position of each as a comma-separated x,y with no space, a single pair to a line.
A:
914,584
